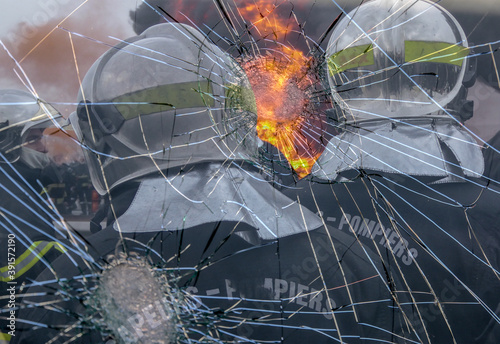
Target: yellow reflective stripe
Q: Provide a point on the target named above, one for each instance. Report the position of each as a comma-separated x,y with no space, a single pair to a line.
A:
39,255
5,338
353,57
22,256
439,52
242,98
29,258
182,95
27,264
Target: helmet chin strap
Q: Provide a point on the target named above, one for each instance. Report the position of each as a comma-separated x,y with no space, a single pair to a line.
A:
34,158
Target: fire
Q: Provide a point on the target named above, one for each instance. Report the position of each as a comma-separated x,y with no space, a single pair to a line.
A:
262,14
280,81
280,86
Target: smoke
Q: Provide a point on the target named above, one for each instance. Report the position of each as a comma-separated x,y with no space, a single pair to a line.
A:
157,11
52,55
302,17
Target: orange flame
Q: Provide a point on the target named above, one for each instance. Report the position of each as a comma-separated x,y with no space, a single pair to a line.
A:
279,82
262,14
279,86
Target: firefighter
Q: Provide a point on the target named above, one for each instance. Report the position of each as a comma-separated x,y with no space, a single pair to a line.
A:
27,235
167,122
404,173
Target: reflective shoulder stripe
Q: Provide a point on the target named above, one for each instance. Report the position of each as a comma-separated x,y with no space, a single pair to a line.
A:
439,52
5,338
352,57
29,258
183,95
23,256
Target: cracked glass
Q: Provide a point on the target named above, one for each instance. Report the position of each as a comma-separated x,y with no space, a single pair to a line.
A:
262,171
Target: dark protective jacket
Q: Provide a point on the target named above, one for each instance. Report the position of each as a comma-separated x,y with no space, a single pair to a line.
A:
26,219
27,237
440,239
308,285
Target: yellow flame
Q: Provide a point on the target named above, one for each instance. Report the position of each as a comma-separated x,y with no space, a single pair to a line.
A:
280,119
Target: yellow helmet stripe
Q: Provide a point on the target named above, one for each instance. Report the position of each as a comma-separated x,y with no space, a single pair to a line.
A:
183,95
352,57
240,98
439,52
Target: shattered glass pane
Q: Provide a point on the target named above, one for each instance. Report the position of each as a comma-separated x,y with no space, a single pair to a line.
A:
265,171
